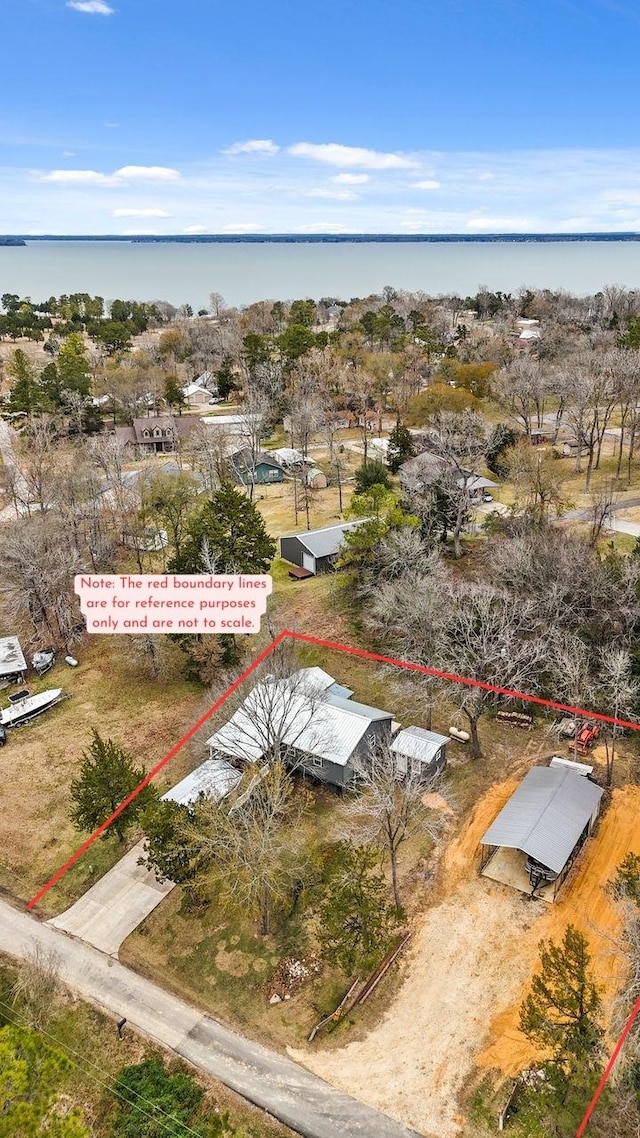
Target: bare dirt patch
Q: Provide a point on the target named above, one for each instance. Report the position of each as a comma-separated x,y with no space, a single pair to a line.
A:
467,973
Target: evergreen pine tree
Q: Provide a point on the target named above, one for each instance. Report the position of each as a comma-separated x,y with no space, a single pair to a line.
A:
107,776
228,532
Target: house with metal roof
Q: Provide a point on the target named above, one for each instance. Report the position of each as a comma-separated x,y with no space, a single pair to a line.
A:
538,834
13,665
305,720
419,752
316,550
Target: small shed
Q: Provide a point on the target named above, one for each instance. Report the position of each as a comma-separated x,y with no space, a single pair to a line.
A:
318,549
539,832
315,478
13,665
419,752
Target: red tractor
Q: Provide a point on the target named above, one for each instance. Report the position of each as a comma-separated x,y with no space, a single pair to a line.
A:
586,737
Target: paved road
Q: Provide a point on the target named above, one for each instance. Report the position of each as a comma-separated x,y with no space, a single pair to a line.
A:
287,1091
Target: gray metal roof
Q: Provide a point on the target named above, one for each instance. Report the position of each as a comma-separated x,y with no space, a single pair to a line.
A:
345,703
327,541
546,815
11,657
213,778
299,713
417,743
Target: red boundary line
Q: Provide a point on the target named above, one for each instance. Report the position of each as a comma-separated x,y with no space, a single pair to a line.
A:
364,654
608,1069
152,773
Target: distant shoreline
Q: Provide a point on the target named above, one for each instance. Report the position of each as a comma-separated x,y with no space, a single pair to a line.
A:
21,240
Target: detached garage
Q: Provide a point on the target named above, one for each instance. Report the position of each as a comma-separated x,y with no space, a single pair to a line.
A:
539,832
317,549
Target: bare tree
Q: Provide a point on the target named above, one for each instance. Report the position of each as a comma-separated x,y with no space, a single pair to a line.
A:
207,452
524,389
601,503
487,636
247,848
617,693
389,807
36,583
461,441
538,479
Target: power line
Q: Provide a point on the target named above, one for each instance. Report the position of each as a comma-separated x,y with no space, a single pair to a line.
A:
69,1052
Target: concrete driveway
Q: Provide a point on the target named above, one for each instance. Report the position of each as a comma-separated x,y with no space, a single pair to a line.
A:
288,1092
112,908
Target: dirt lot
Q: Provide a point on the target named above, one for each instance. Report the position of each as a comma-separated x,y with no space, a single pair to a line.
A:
467,974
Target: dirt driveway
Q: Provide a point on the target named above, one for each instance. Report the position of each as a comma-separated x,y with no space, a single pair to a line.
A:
467,973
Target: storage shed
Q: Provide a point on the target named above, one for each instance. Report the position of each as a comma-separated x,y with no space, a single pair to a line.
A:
539,832
13,665
317,549
419,752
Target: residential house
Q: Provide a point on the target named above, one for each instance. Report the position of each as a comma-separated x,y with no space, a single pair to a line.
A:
156,434
288,457
316,550
420,472
308,721
261,470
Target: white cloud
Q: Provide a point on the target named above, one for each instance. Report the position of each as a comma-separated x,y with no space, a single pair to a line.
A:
324,227
336,155
428,184
139,233
92,7
195,229
141,213
76,178
350,179
336,195
253,146
150,173
487,176
96,178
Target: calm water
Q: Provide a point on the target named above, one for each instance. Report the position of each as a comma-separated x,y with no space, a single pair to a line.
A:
244,273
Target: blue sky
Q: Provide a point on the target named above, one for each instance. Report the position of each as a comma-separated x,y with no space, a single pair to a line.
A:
175,116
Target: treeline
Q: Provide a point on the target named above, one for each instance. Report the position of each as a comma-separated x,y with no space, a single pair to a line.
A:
112,326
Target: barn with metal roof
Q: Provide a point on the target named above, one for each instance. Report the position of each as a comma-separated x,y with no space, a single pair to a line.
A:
538,833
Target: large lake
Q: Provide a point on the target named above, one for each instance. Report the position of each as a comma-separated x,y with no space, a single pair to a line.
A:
247,272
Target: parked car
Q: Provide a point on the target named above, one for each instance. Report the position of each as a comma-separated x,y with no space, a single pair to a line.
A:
3,736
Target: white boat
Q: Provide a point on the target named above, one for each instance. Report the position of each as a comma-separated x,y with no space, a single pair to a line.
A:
24,710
